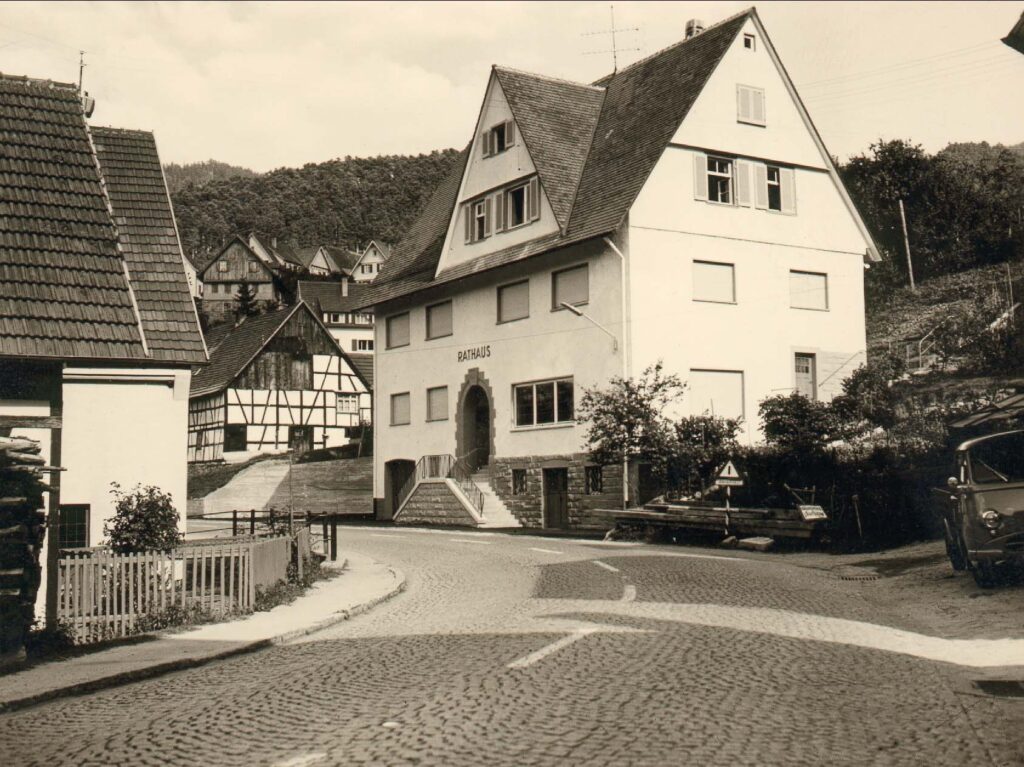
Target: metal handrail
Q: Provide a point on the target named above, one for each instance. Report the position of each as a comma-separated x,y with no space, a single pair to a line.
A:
443,466
463,475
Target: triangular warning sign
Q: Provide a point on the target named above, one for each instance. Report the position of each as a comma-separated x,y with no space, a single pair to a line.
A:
728,472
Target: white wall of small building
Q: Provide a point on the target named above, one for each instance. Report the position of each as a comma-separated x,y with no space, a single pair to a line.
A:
345,335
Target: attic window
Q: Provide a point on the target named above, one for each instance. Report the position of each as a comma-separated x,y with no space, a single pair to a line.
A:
517,206
479,220
749,42
222,266
499,138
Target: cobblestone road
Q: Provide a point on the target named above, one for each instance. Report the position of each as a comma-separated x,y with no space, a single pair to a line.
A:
520,650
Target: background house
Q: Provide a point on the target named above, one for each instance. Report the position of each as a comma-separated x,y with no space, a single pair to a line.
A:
98,331
335,302
275,381
222,278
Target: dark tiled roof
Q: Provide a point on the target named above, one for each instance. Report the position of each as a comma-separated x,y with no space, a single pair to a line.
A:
306,255
234,349
344,259
63,291
149,241
363,364
383,247
286,253
637,110
327,297
556,119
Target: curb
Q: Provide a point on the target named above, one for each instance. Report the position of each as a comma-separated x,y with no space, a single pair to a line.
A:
159,669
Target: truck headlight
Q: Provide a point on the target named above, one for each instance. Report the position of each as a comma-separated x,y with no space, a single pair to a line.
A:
992,519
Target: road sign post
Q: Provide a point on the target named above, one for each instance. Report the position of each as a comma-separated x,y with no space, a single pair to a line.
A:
728,478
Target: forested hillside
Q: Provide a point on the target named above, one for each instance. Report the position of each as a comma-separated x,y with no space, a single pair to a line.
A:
199,173
347,201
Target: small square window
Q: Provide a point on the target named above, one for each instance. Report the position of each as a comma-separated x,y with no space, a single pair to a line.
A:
222,266
750,42
253,266
594,480
514,301
518,481
348,404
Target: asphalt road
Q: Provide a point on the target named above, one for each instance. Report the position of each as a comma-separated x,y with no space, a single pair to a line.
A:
522,650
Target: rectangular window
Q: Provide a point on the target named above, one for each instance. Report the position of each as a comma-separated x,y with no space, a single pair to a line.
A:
544,402
397,330
516,206
805,375
362,344
479,220
348,404
750,105
518,481
222,266
439,320
514,301
400,409
234,438
570,286
499,138
774,182
716,392
73,532
253,266
808,290
594,480
437,403
750,42
714,282
720,180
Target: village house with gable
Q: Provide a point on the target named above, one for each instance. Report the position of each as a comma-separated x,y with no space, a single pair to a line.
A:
682,209
98,330
275,381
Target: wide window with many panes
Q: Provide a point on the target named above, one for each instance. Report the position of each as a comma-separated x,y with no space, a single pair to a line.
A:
514,301
544,402
570,286
439,320
397,330
347,404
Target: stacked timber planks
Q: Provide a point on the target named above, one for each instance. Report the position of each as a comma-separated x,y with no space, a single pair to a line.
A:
772,522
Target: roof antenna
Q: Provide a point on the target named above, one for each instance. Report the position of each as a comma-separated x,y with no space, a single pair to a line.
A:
614,50
81,69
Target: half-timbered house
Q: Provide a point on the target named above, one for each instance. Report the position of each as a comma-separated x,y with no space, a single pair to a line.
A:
276,381
222,278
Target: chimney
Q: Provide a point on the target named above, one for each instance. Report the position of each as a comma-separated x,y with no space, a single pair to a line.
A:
694,27
344,287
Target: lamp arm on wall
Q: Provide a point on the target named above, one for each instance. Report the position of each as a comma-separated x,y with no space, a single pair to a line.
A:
579,313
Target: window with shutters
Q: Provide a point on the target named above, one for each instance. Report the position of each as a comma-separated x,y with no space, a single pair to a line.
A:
479,220
439,320
719,180
570,286
516,211
397,330
437,403
750,106
714,282
808,290
400,409
514,301
499,138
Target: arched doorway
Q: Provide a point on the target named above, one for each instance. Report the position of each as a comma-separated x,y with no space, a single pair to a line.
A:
476,425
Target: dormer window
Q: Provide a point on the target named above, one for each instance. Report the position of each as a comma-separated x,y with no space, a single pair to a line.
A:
498,138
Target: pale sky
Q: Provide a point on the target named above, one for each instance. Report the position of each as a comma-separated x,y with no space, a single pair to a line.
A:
266,85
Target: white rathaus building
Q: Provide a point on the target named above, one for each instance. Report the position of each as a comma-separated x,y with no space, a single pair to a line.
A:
682,209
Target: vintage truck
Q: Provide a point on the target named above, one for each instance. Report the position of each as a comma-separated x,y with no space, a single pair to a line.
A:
982,507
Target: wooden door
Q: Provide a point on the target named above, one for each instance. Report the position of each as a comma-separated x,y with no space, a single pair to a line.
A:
300,438
805,375
556,498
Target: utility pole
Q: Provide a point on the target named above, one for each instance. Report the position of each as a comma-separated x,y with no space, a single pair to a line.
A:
906,245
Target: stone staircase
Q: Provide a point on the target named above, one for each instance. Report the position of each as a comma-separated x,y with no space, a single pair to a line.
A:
496,513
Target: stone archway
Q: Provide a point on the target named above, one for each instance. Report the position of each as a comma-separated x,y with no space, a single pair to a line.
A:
474,420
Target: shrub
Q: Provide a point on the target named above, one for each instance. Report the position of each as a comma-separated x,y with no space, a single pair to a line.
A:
144,520
794,422
702,445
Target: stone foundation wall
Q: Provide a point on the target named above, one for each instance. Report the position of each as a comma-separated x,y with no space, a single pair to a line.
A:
434,503
528,507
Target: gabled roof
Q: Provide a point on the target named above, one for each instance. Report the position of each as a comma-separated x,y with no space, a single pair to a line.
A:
327,296
306,255
246,248
234,347
383,247
594,147
556,119
149,241
64,291
285,252
344,259
1016,37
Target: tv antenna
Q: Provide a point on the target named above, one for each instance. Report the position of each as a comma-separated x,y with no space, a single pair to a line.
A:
615,50
81,69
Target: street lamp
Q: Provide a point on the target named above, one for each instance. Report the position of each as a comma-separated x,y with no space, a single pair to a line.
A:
580,313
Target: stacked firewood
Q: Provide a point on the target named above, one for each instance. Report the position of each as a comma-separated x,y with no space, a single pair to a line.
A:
22,529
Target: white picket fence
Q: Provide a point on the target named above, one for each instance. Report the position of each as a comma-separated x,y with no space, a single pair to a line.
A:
102,595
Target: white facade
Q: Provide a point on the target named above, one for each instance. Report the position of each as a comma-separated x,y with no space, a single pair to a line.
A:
369,264
353,333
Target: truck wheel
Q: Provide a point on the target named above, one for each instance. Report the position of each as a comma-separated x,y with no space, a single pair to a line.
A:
984,574
954,549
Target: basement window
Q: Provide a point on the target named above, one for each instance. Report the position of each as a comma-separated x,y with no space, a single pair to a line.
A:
594,480
518,481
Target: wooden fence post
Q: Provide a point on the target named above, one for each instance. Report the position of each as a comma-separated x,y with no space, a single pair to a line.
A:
334,539
234,523
252,522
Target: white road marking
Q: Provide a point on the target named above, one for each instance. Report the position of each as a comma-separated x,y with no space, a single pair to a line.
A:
605,565
629,593
390,725
465,540
302,759
545,551
390,535
534,657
